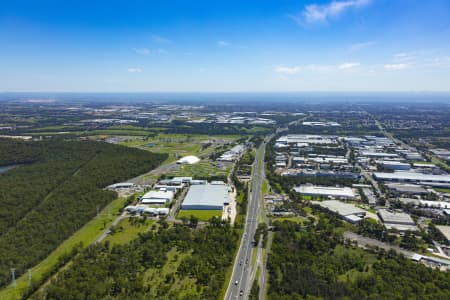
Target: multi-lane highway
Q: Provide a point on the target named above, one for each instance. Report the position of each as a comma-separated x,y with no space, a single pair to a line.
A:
240,283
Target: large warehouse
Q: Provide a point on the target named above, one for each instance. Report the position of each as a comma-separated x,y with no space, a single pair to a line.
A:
427,179
398,220
347,211
206,197
325,191
157,197
309,139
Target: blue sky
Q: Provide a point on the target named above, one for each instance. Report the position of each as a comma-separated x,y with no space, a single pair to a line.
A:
225,46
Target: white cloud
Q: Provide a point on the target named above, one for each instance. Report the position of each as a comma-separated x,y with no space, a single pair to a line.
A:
404,56
287,70
223,44
348,66
317,13
135,70
315,68
160,40
142,51
359,46
396,67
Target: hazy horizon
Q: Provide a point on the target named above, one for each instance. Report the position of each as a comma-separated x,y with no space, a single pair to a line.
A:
229,97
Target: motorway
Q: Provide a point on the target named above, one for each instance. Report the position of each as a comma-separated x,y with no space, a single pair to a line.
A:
240,283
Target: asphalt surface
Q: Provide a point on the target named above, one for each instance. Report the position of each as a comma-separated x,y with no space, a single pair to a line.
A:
263,274
145,178
108,230
365,241
240,283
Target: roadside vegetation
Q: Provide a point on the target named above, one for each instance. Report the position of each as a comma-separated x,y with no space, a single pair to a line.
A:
176,262
313,262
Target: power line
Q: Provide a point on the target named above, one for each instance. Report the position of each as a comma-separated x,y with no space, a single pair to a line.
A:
29,277
13,276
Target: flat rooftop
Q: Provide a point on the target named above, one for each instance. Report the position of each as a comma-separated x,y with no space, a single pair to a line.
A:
407,188
445,230
392,163
378,154
208,195
158,195
307,138
341,208
412,176
395,217
325,191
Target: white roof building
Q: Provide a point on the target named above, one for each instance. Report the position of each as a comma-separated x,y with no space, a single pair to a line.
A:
121,185
413,177
445,230
378,154
206,197
394,165
307,139
398,220
157,197
347,211
326,191
188,160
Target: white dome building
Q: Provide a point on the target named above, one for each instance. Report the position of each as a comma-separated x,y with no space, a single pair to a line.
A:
188,160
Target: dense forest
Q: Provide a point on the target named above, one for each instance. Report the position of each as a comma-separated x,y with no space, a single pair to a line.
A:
123,271
312,262
57,190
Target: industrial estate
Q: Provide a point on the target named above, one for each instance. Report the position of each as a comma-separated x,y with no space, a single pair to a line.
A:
234,197
225,150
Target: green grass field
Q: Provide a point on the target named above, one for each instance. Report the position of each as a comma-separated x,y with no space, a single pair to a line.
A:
87,235
265,187
202,215
178,144
298,220
202,169
422,162
440,163
442,190
126,231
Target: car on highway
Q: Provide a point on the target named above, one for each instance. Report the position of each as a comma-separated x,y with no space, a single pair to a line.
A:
241,293
236,282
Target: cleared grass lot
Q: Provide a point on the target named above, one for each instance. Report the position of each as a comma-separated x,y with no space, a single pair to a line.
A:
442,190
127,230
202,169
202,215
179,144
